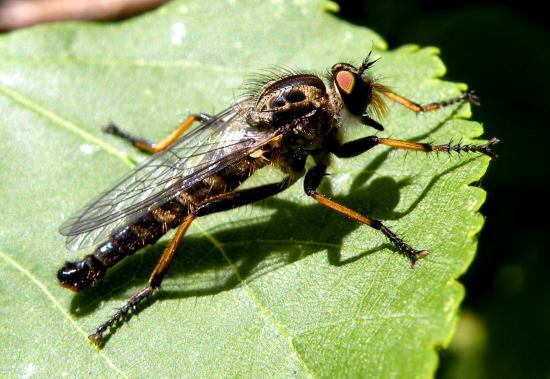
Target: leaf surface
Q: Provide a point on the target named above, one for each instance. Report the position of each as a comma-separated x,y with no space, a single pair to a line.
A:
282,288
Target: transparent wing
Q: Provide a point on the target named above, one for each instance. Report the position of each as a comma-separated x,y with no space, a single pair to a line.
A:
212,146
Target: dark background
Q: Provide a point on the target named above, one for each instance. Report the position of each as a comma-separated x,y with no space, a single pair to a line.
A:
502,50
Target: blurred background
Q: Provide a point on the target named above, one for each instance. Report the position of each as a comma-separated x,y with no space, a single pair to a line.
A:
502,50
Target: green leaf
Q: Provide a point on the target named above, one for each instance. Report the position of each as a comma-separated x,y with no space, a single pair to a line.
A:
282,288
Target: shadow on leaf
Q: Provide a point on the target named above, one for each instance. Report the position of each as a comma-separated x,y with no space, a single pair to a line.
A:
221,260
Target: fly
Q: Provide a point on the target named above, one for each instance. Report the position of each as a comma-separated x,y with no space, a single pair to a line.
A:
285,120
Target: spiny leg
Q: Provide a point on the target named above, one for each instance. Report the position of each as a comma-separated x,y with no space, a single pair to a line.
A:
448,148
215,204
353,148
468,96
359,146
313,180
150,147
154,282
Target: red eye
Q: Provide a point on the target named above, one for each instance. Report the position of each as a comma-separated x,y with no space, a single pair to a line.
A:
345,81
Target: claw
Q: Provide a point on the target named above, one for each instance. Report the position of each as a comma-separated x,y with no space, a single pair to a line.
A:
472,98
418,254
492,142
95,339
112,128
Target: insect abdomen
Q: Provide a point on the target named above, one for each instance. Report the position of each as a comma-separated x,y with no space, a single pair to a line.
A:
144,231
147,229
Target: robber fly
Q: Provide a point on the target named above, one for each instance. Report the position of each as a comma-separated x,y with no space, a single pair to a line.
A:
284,121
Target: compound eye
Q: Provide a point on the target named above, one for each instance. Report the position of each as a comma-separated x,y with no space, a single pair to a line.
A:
345,81
355,93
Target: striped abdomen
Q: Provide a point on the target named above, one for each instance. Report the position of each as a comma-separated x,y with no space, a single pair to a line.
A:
150,227
144,231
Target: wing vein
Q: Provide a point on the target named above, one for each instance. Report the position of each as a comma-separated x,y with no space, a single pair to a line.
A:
212,146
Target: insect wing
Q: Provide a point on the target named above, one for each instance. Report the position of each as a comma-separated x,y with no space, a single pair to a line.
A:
214,145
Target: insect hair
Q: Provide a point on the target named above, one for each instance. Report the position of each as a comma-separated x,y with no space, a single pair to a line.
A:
377,107
254,82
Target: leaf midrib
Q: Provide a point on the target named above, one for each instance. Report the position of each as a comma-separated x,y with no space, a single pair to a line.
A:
36,108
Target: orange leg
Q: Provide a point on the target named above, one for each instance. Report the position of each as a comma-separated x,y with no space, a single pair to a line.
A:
154,283
313,180
465,96
153,148
353,148
359,146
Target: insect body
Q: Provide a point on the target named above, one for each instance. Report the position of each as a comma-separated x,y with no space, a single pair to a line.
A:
286,120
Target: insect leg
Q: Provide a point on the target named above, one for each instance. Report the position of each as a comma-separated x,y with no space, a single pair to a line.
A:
236,199
353,148
448,148
150,147
218,203
154,282
313,180
367,120
468,96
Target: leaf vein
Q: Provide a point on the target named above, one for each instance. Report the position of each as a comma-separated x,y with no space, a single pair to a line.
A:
58,120
57,305
276,241
383,318
250,293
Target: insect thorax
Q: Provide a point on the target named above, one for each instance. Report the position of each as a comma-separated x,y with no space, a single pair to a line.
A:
297,104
